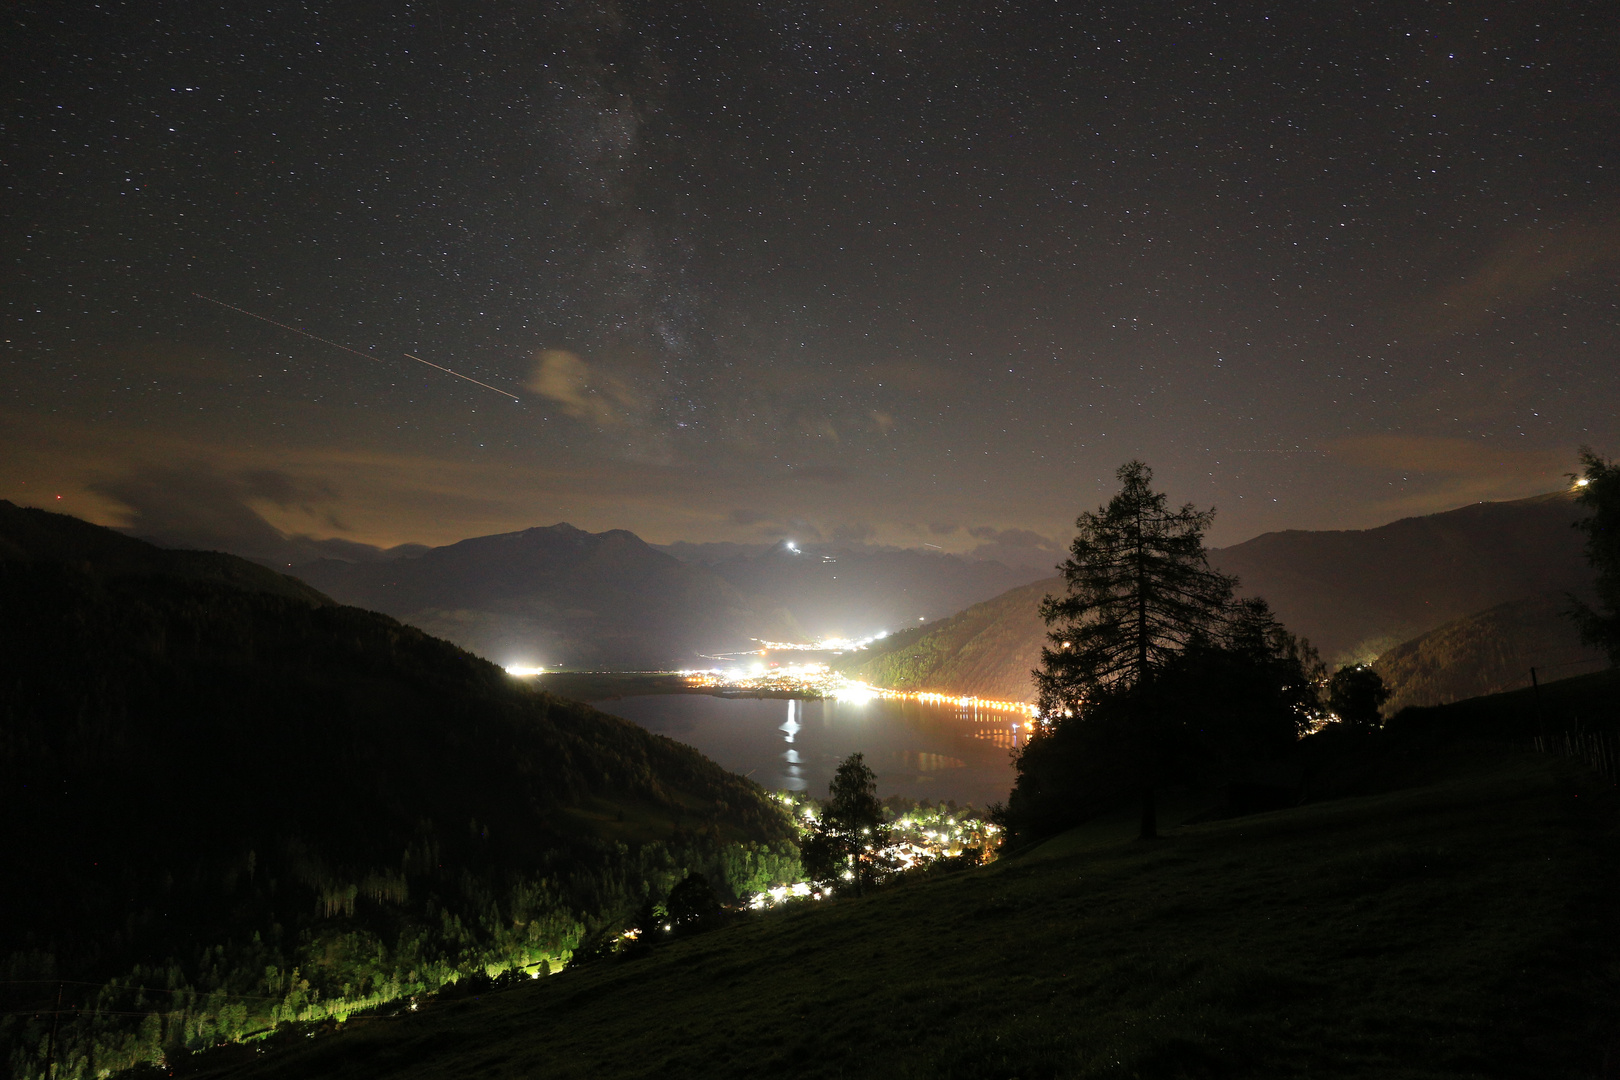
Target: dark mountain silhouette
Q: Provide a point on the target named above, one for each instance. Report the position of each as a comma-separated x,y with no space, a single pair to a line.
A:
1352,593
222,784
558,596
1356,593
28,535
563,596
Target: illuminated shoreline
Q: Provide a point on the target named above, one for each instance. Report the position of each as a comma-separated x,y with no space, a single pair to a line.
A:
819,681
812,681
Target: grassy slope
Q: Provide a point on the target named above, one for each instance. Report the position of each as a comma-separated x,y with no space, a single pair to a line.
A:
986,650
1455,929
1487,653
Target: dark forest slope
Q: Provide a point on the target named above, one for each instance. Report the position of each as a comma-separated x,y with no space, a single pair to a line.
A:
1487,653
220,783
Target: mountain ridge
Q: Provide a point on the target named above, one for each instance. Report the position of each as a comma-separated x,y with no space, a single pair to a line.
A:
561,596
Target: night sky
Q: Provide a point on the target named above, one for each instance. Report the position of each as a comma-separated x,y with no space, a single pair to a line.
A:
904,272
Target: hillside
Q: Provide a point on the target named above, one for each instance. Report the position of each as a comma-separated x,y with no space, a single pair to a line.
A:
1487,653
987,651
558,596
1356,593
1459,928
271,806
29,535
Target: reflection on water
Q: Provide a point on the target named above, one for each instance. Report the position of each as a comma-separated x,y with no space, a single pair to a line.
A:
933,750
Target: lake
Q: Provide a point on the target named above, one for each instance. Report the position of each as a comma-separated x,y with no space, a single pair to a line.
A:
923,750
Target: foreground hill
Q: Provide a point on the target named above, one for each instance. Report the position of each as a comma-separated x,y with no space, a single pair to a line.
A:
1458,928
1351,593
1487,653
269,806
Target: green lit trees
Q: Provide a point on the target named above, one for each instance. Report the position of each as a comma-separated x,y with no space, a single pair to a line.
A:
1598,490
1140,592
846,843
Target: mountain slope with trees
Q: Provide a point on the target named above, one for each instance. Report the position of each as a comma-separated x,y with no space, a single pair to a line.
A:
269,806
1487,653
987,650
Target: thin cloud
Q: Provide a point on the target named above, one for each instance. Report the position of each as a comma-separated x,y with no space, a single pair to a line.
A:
581,392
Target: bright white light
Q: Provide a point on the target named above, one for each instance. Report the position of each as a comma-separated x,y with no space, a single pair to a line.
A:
1582,482
857,692
523,671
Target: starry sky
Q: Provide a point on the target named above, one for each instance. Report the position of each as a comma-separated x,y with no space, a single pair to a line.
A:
904,272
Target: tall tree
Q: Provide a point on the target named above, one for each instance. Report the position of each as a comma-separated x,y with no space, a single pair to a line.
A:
1355,694
847,842
1140,591
1598,490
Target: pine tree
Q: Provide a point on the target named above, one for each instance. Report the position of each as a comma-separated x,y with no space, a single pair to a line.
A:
1140,591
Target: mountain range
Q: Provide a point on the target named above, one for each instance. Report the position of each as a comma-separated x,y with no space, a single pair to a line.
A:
561,596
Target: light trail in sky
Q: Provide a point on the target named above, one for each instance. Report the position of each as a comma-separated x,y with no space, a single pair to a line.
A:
357,352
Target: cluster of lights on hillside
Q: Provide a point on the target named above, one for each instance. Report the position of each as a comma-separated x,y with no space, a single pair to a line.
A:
919,837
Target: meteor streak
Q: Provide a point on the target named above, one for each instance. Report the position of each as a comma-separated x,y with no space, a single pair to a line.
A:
357,352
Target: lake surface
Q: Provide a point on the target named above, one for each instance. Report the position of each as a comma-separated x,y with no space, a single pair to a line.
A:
924,750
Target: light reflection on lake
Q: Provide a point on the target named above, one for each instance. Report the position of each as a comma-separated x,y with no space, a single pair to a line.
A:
924,750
